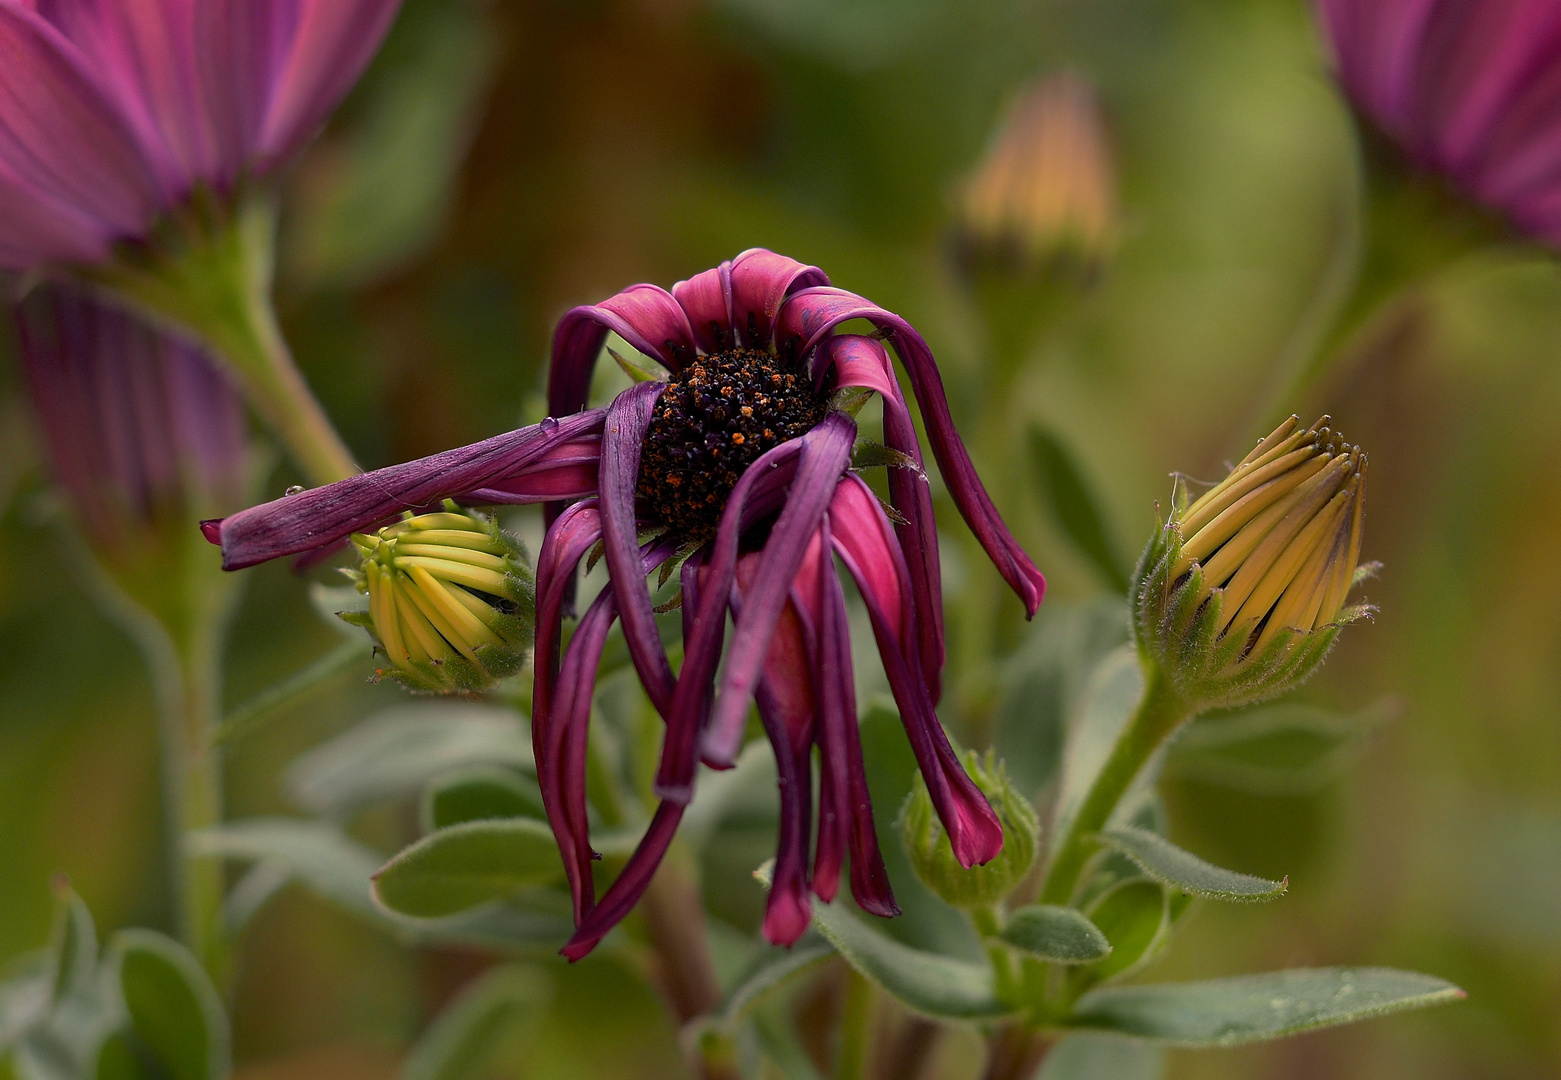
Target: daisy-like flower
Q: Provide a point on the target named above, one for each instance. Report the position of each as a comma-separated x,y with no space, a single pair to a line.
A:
735,471
1468,90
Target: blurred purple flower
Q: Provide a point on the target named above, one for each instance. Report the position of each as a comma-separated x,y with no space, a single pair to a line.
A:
1468,89
141,429
737,467
112,112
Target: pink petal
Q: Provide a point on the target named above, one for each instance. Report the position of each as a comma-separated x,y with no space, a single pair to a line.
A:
707,300
761,282
645,316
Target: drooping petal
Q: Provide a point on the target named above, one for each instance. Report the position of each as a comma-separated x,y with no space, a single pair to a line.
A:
707,299
787,912
332,42
62,136
867,546
567,471
577,529
761,282
646,316
320,516
826,454
863,361
812,314
624,893
628,418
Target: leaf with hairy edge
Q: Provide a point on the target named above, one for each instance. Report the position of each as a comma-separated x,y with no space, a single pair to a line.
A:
1076,508
1087,1056
771,968
1062,935
174,1012
1252,1008
1170,865
938,986
458,868
396,752
493,1018
479,794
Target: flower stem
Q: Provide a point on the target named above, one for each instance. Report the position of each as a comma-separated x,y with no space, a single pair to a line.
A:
674,915
1160,712
1015,1052
856,1026
211,275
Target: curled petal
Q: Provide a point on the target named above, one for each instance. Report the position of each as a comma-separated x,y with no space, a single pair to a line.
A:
787,912
572,535
812,314
624,893
707,298
761,282
974,831
646,316
628,418
826,453
320,516
788,664
863,361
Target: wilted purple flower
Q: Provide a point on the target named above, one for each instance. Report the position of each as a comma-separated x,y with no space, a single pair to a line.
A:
112,112
1471,90
737,470
141,429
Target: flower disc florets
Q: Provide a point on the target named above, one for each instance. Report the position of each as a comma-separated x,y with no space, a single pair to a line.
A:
1242,592
714,419
451,599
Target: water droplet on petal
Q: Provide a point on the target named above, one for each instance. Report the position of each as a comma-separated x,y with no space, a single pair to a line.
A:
293,489
549,424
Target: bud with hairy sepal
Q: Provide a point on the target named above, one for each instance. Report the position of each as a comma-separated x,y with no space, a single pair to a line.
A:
1241,593
931,855
452,600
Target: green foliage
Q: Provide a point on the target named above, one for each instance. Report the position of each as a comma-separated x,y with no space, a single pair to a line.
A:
1086,1056
1061,935
770,969
1135,917
1170,865
477,794
933,857
1076,507
478,862
1280,749
175,1017
1250,1008
492,1022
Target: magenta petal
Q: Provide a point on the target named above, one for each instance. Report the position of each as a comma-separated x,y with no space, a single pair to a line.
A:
863,361
813,313
646,316
707,299
628,417
974,831
62,134
323,515
332,42
826,453
761,281
577,529
788,910
35,227
631,884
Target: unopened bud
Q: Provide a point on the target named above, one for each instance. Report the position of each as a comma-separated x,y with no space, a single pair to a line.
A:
1046,190
451,600
933,857
1242,592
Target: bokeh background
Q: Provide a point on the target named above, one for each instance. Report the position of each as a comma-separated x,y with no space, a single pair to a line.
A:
505,160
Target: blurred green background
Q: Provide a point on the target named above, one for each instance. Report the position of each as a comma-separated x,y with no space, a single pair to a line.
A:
506,160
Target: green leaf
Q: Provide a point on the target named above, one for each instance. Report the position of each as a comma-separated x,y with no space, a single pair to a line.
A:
1062,935
117,1061
400,750
772,967
1077,510
173,1009
1251,1008
937,986
1133,917
253,713
25,995
458,868
74,947
1170,865
1283,749
867,454
636,371
479,794
1086,1056
1107,703
494,1018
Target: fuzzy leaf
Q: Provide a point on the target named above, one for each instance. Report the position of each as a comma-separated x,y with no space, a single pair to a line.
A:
1062,935
396,752
1252,1008
74,947
498,1012
1133,917
174,1011
1170,865
1087,1056
458,868
772,967
1076,508
477,794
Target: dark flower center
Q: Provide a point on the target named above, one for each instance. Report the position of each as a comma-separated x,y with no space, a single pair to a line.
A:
714,419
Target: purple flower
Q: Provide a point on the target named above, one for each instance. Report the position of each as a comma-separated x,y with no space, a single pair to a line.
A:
735,471
1470,90
113,111
141,429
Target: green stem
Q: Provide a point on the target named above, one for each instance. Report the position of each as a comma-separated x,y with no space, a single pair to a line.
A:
211,274
856,1027
1160,712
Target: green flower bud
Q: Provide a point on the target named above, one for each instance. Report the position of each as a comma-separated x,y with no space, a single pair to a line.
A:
452,601
1241,593
933,858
